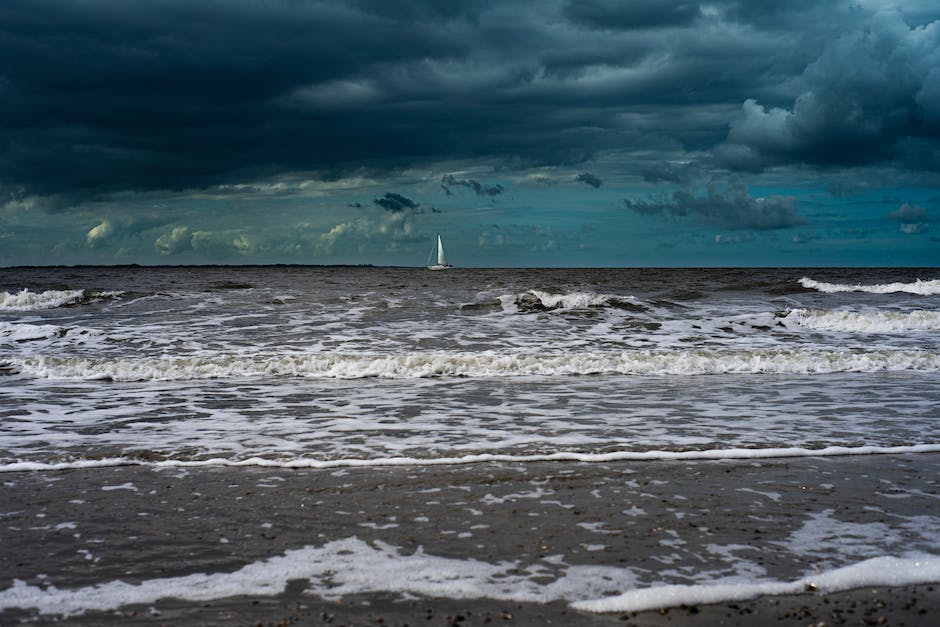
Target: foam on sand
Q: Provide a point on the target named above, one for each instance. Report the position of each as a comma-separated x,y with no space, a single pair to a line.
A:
337,569
924,288
562,456
352,566
877,571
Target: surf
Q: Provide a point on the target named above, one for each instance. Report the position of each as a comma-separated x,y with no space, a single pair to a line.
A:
412,365
26,300
716,454
845,321
921,287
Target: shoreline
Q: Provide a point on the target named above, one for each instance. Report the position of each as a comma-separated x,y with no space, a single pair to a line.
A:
717,454
529,526
903,605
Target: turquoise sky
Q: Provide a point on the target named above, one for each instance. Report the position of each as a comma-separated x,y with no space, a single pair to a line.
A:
530,224
557,133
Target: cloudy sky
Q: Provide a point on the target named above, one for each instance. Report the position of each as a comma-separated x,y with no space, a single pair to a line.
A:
548,133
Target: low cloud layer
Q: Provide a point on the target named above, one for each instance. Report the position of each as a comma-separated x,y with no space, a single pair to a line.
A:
174,241
589,179
913,219
388,232
396,203
99,233
726,204
449,181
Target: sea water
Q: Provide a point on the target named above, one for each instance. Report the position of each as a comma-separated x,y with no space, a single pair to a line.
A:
326,367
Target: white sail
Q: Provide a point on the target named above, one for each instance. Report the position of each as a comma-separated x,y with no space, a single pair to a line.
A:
441,260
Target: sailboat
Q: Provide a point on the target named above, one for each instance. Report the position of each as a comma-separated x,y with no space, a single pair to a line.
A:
441,260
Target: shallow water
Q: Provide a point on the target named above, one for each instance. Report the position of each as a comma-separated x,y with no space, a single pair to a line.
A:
296,363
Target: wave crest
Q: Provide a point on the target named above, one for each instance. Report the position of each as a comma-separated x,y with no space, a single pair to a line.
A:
924,288
25,300
488,364
539,300
865,321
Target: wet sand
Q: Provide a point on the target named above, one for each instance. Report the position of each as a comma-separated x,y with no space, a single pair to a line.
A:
906,605
74,529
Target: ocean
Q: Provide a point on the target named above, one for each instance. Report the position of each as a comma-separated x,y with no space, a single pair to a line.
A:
349,376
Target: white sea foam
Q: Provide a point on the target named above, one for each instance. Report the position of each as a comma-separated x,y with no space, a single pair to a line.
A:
923,287
823,535
878,571
482,364
561,456
337,569
865,321
430,418
25,300
22,332
352,566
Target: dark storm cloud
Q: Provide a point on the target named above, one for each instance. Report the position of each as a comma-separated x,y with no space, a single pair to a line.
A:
665,172
636,14
728,205
589,179
873,95
107,96
480,189
396,203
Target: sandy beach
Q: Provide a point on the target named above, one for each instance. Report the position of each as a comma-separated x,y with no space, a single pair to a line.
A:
68,536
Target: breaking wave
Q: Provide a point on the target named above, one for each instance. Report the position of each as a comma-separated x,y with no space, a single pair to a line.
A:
920,286
865,321
538,300
486,364
25,300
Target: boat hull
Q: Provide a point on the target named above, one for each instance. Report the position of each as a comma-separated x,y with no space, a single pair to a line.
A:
439,267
